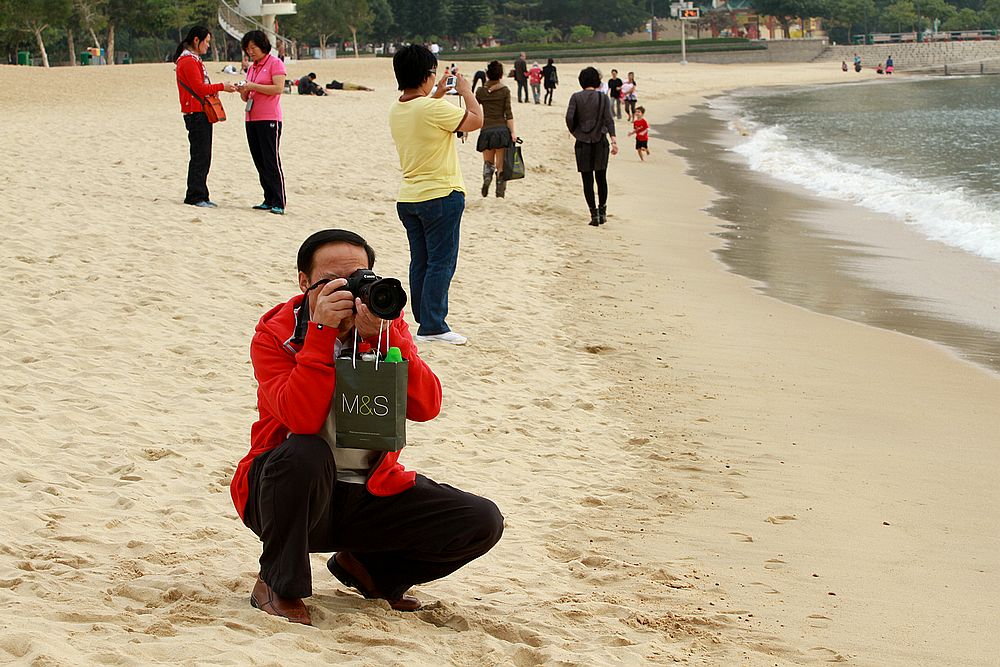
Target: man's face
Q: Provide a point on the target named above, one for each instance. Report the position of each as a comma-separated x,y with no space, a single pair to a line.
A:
333,260
614,74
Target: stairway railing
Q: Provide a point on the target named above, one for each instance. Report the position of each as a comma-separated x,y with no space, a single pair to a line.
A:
237,24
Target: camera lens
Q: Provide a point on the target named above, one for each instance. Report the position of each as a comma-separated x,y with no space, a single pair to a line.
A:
385,298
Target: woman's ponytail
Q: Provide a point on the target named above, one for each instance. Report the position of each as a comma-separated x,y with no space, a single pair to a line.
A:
198,32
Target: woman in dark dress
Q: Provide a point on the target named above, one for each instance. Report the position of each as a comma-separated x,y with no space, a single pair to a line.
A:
589,120
498,133
550,78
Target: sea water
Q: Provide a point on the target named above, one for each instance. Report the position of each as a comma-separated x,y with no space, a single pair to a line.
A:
925,151
878,202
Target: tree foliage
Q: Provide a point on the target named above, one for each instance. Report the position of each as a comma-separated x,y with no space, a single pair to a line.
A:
151,26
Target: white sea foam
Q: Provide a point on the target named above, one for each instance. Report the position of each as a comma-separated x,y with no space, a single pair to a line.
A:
941,212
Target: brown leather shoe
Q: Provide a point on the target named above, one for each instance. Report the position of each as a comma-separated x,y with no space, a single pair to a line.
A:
353,574
265,599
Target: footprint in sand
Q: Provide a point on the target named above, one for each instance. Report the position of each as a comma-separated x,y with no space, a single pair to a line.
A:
743,537
781,519
818,621
828,654
773,564
770,589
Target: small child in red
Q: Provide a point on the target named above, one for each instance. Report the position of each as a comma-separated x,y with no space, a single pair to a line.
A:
641,131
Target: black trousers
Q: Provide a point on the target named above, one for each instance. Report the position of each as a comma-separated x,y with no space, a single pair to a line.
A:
264,139
522,85
200,139
548,95
297,507
601,177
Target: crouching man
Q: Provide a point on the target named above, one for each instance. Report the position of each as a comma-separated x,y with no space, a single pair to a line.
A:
389,528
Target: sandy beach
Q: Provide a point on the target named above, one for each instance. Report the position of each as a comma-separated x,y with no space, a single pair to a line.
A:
691,471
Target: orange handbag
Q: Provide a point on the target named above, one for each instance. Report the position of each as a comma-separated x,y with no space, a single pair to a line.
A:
210,104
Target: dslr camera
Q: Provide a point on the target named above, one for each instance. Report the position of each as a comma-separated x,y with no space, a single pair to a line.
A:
385,297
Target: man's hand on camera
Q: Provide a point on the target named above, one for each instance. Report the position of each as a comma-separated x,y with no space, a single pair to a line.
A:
366,323
334,307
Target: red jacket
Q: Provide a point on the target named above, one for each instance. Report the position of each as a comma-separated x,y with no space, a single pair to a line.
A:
294,392
191,70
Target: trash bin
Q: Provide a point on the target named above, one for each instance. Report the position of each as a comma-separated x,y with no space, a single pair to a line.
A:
869,38
23,58
127,60
85,58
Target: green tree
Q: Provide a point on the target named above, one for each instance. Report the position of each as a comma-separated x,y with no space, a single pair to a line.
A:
964,19
991,13
534,33
383,20
851,14
354,17
319,19
37,16
420,17
935,9
464,16
91,17
579,33
901,14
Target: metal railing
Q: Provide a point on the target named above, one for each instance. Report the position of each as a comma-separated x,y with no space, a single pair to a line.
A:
237,24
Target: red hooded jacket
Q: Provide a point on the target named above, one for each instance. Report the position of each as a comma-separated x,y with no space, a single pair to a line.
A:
294,392
191,70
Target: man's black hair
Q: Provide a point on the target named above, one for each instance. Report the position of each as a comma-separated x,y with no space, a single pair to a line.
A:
311,75
412,65
325,236
258,37
590,78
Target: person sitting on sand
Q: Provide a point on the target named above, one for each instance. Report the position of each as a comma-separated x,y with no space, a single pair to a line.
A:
308,85
390,529
879,69
843,65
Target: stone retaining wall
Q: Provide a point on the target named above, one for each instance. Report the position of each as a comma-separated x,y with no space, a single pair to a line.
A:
915,56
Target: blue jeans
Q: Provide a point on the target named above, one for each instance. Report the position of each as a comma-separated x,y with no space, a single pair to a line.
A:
432,228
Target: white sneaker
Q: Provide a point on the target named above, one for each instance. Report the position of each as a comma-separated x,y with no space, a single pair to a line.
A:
447,337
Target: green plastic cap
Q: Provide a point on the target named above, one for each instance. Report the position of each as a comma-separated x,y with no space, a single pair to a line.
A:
393,355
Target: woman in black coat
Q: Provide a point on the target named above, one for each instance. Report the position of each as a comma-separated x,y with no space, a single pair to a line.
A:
590,121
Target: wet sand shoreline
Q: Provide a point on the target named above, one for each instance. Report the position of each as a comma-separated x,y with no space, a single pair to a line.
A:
791,242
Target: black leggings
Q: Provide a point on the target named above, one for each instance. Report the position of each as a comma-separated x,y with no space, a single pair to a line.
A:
630,107
548,95
602,187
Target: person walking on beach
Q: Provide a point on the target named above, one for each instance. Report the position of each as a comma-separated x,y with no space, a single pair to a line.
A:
262,93
535,80
857,63
192,87
640,128
389,528
498,132
551,79
521,76
889,65
615,93
432,195
589,120
628,94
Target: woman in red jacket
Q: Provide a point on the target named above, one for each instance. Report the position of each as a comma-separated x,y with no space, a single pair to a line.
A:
192,87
